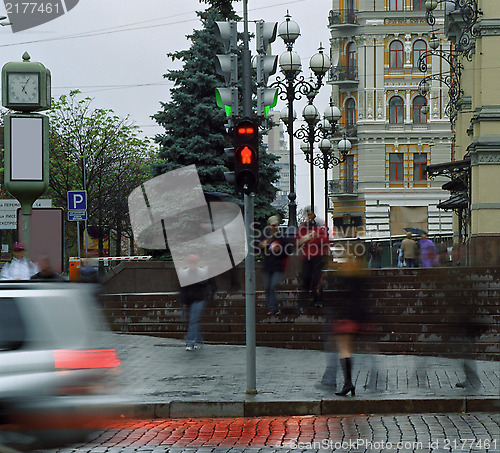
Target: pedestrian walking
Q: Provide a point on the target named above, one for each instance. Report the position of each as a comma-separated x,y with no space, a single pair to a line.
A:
20,268
47,272
274,246
378,256
428,252
350,317
193,298
410,251
329,378
401,260
371,253
312,240
375,251
444,257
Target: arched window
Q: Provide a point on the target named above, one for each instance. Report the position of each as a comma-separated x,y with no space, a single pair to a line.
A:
396,110
419,48
418,116
396,5
351,61
350,107
396,55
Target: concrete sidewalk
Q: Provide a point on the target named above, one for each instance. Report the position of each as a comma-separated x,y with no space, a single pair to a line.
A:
165,380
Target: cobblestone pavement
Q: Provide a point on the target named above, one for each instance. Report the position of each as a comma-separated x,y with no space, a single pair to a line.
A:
160,369
436,433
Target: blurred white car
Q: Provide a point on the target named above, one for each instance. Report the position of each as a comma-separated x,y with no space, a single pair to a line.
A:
56,373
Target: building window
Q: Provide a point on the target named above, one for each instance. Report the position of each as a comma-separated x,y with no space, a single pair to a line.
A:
418,116
419,167
349,174
351,60
396,5
418,5
396,55
396,167
396,110
419,48
350,107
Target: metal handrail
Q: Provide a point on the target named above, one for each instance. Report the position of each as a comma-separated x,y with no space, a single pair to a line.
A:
342,16
342,186
343,73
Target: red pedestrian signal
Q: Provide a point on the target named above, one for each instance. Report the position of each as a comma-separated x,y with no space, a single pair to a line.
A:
246,163
245,155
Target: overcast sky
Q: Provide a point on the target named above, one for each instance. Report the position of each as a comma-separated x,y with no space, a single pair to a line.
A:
115,52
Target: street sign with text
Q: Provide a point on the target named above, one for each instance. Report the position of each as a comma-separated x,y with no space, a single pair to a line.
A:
77,216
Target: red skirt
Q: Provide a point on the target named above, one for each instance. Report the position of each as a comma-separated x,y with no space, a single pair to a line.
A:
345,326
349,326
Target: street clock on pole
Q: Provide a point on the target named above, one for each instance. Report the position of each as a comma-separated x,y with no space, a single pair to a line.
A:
26,85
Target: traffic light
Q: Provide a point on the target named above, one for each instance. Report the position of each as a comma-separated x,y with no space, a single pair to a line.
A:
227,66
265,66
246,155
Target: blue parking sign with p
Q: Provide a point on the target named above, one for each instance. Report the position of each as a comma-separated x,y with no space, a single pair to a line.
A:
77,200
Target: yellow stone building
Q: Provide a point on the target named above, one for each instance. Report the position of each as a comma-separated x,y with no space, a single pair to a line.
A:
395,130
473,28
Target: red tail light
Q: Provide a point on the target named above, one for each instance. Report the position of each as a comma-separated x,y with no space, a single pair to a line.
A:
84,360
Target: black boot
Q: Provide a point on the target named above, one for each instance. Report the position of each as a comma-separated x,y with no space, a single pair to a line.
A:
348,385
471,377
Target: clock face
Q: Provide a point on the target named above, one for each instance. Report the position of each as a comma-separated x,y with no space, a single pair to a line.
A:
23,88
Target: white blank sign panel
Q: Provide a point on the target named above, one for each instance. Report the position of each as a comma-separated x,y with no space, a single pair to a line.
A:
26,149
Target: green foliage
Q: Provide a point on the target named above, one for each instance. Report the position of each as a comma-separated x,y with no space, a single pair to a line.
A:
94,149
194,125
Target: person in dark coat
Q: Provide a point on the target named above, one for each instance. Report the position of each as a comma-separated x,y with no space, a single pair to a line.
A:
274,246
350,317
46,271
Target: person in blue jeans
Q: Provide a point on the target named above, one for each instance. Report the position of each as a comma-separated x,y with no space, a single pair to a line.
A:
193,298
274,246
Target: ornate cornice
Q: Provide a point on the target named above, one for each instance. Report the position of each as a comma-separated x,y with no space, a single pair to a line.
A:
486,113
488,27
485,151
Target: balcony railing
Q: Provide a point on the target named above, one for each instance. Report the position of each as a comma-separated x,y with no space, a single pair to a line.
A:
350,129
343,17
343,187
343,74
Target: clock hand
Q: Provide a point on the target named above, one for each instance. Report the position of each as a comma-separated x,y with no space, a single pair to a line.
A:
24,86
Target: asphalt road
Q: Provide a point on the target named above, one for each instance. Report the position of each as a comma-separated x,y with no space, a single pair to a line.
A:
436,433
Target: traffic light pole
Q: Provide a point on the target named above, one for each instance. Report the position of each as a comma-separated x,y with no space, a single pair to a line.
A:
249,219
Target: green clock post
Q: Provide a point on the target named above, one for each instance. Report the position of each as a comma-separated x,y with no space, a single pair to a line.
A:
26,89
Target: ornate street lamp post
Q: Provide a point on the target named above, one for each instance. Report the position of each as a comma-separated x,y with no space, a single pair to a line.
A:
328,159
322,131
307,132
292,87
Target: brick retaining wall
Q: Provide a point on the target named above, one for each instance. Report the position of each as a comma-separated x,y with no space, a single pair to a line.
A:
412,311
